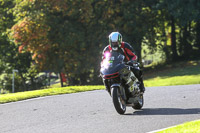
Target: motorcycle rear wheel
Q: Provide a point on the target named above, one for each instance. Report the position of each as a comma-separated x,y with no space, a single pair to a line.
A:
118,101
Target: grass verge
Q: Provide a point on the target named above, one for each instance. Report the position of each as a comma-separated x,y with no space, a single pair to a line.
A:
175,80
189,127
182,73
165,76
13,97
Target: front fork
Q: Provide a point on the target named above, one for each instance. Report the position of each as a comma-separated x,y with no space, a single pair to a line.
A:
121,90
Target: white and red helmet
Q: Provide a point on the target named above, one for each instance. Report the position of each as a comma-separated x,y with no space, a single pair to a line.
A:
115,40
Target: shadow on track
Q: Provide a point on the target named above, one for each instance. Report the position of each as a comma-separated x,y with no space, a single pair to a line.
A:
165,111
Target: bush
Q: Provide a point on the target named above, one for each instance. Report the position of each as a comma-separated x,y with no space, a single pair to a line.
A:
6,83
39,81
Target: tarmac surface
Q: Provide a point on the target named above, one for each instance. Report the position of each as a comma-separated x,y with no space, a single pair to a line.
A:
93,112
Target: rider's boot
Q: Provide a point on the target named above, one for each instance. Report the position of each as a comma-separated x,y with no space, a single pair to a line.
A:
142,88
139,76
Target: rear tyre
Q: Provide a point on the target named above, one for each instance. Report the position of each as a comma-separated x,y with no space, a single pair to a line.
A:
139,103
118,101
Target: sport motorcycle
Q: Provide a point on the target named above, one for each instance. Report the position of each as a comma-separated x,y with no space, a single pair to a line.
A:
120,82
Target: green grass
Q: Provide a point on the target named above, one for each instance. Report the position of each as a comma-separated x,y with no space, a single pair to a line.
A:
13,97
174,80
180,74
189,127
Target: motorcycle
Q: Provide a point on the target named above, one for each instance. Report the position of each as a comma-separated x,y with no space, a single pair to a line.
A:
122,84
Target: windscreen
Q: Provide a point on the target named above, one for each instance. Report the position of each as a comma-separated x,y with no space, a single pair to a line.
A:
112,59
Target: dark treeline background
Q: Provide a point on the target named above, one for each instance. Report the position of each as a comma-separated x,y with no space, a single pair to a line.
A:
68,36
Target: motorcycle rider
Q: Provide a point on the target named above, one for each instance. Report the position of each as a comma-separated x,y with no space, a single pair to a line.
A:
116,44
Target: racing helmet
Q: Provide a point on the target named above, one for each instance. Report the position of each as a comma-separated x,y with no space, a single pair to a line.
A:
115,40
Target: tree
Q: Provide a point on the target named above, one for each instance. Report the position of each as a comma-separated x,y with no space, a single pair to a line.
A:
65,35
53,33
9,52
182,15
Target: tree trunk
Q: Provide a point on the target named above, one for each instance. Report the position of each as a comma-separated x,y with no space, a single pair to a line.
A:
137,47
198,35
61,80
33,86
140,52
173,40
23,82
49,78
187,48
165,47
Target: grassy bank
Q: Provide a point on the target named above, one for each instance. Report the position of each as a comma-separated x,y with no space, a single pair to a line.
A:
13,97
182,73
189,127
175,80
178,74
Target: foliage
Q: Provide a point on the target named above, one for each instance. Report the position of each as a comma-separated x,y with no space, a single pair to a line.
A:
68,36
10,58
62,34
184,15
6,83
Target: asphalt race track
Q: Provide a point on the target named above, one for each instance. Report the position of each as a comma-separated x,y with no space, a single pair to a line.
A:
93,112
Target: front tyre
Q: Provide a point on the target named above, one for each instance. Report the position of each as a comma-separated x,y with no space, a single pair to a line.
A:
118,101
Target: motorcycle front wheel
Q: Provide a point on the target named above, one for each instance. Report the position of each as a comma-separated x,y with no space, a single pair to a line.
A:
118,100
